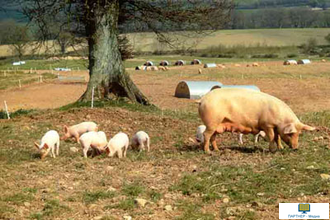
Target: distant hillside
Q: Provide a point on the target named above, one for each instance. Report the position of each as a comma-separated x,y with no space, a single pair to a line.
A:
11,10
249,14
254,4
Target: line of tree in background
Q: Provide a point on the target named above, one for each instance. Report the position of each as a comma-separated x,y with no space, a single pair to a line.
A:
256,4
299,17
247,15
280,18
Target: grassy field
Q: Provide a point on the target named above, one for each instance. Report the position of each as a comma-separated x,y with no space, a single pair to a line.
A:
249,37
10,79
132,63
45,65
176,178
147,42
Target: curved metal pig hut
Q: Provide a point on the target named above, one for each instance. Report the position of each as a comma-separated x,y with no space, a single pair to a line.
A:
304,61
197,89
239,87
164,63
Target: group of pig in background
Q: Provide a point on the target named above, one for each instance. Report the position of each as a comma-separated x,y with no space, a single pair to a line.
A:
87,134
221,110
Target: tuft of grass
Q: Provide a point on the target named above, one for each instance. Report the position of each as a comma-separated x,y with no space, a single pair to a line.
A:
154,195
134,189
138,156
30,190
37,216
18,198
51,209
193,212
127,204
53,206
90,197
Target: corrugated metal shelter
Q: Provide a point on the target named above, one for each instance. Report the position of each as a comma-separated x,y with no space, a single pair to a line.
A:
210,65
18,63
253,87
290,62
195,89
141,68
304,61
164,63
195,62
63,69
180,63
148,63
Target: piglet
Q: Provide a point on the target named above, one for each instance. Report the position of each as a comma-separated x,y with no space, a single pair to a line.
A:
200,133
77,130
140,140
48,143
95,140
118,144
256,137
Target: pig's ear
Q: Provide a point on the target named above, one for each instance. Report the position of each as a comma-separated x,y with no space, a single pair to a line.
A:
290,129
66,129
45,146
307,128
36,145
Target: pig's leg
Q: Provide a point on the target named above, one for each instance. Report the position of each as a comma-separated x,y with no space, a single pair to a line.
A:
207,136
213,142
120,153
256,138
85,149
125,151
76,136
53,152
58,148
271,136
148,144
278,141
240,138
141,146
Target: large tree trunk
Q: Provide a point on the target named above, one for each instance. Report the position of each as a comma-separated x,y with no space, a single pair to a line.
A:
106,70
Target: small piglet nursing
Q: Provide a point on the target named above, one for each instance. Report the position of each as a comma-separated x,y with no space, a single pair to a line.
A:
118,145
247,111
76,131
202,128
141,140
95,140
49,142
256,137
200,133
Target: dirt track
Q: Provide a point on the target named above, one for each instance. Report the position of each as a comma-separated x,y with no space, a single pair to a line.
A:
308,94
46,95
